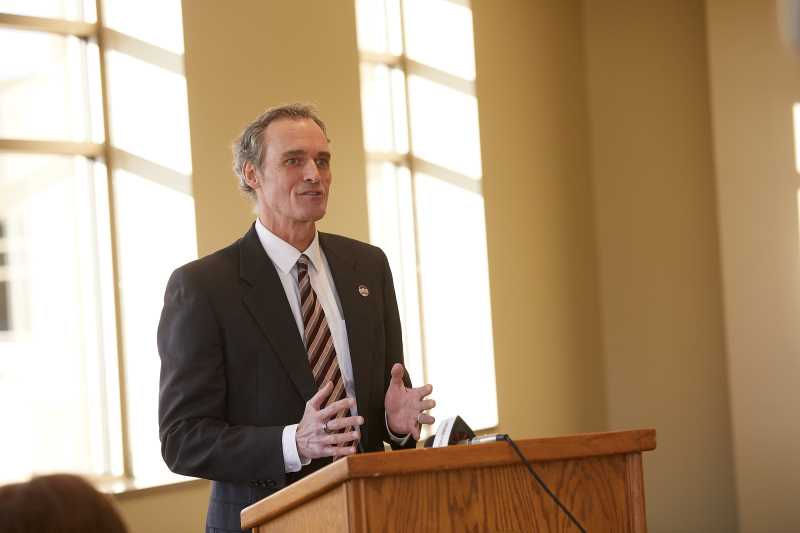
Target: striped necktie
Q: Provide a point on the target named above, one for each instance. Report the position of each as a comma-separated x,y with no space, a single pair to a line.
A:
319,342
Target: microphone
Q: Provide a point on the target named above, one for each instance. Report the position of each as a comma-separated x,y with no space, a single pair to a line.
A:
494,437
451,431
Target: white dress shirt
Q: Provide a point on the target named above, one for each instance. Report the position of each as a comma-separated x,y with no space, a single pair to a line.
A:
284,256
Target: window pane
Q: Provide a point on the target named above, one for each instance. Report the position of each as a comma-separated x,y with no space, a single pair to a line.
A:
455,297
399,110
383,109
378,24
157,22
61,9
94,86
54,361
156,234
444,126
439,34
43,87
158,131
391,226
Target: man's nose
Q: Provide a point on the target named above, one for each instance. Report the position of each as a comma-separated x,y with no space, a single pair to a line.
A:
311,172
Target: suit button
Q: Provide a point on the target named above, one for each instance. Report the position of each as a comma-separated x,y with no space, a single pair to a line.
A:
253,483
270,484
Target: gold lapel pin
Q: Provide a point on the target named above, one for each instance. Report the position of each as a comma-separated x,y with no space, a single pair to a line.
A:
363,290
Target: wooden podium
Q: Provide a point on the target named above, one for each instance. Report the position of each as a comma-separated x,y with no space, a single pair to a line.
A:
475,488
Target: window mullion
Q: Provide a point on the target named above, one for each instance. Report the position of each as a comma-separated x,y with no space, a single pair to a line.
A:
390,60
49,25
30,146
127,459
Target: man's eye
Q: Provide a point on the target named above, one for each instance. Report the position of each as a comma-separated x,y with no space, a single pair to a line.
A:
292,161
323,163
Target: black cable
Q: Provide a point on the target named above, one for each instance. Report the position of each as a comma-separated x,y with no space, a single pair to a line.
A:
541,483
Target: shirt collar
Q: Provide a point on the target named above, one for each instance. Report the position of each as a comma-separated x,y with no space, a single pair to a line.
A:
283,254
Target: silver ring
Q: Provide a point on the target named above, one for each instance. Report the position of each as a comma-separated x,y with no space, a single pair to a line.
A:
419,422
325,428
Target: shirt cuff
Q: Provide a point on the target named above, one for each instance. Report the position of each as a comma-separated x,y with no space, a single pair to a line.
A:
291,459
397,440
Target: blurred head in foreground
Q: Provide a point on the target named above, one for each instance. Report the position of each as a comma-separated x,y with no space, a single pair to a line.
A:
58,503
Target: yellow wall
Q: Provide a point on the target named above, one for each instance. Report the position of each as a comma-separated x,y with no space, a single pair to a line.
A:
652,166
755,81
244,56
169,509
533,121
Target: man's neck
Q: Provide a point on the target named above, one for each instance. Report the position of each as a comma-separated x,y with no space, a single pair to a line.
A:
298,235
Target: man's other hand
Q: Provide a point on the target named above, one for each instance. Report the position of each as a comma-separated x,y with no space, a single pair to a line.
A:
318,433
404,406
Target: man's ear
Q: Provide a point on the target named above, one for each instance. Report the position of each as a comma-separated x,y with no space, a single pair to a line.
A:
251,175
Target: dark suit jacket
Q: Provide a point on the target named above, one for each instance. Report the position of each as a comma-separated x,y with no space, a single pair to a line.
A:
234,370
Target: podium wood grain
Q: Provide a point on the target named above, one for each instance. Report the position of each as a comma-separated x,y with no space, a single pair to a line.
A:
479,488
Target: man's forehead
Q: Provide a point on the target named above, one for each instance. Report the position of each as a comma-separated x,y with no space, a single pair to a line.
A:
287,131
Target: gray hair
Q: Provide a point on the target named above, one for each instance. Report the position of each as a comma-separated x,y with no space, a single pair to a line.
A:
249,146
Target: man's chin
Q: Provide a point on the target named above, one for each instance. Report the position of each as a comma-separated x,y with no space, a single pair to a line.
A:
314,216
307,213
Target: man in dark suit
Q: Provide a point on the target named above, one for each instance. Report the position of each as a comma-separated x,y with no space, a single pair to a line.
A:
282,350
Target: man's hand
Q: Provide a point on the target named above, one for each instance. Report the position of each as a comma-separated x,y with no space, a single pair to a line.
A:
316,434
404,406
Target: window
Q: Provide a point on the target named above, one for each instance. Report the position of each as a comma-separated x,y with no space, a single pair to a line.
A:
420,119
95,212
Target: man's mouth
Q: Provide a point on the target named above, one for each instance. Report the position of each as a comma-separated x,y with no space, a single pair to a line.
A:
311,193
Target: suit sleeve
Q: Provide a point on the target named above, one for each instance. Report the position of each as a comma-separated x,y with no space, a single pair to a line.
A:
394,343
196,439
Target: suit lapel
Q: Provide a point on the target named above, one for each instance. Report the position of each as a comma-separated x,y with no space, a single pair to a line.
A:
266,301
347,280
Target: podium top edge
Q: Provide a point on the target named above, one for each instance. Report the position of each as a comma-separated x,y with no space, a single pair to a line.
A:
420,460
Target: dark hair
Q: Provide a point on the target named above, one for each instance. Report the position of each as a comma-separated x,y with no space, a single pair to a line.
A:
60,503
249,146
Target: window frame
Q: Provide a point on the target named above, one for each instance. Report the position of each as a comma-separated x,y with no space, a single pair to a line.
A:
94,152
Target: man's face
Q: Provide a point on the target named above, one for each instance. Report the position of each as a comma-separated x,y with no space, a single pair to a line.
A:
292,184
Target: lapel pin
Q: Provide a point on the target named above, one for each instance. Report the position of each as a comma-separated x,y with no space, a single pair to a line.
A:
363,290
